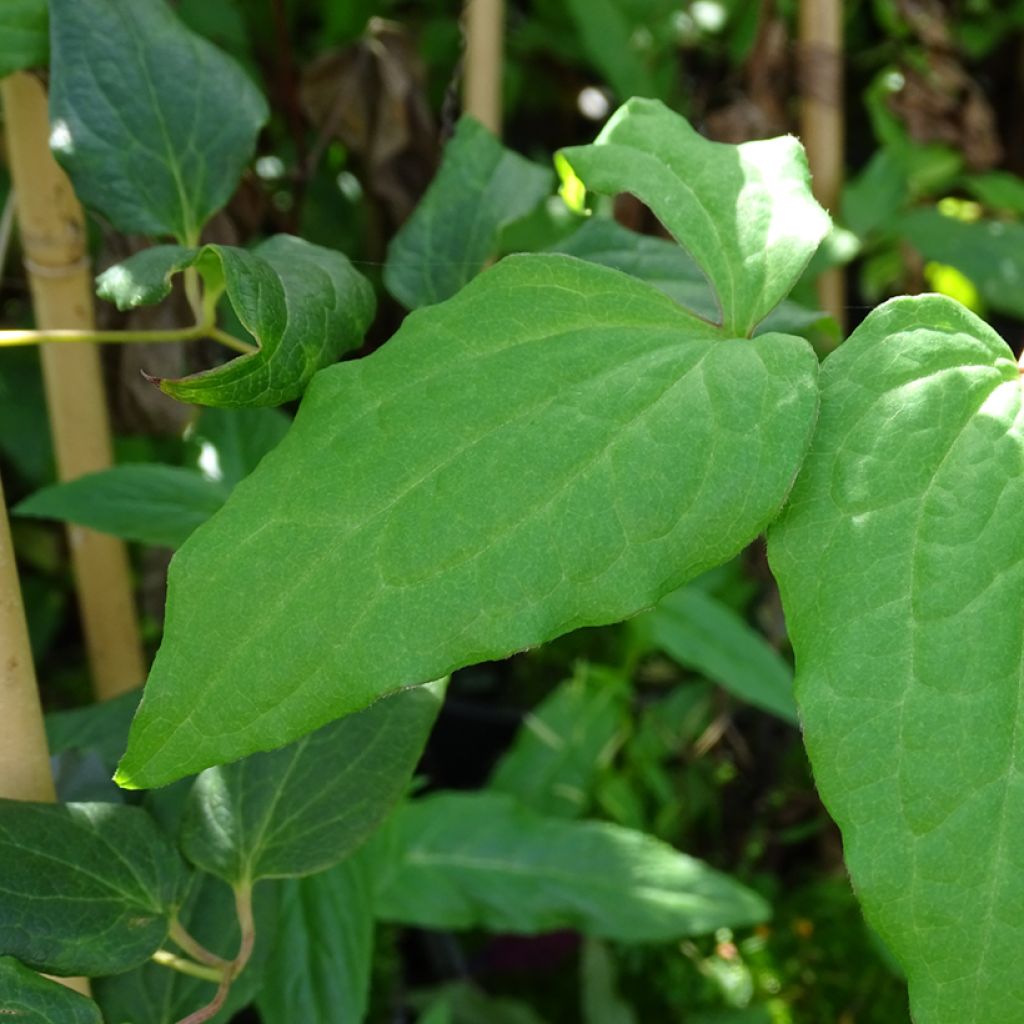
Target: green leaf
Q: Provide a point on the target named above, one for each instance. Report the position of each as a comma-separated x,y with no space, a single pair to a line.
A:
304,305
155,994
745,213
608,35
470,464
899,560
149,503
153,123
233,441
600,999
480,187
989,252
84,888
303,808
998,190
663,264
463,1003
24,35
28,998
102,727
320,968
563,744
703,634
482,860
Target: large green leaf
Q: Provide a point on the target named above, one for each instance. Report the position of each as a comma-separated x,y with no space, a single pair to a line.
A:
480,187
564,742
303,304
701,633
84,888
24,35
303,808
745,213
482,860
156,994
153,504
233,441
557,446
102,727
901,564
153,123
321,965
27,998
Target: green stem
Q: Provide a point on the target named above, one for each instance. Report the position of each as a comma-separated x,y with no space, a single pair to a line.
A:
11,338
181,938
185,966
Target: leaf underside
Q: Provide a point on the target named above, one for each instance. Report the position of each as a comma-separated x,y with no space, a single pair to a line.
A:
901,565
557,446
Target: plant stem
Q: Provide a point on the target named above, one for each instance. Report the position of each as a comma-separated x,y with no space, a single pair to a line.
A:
247,925
13,338
185,966
181,938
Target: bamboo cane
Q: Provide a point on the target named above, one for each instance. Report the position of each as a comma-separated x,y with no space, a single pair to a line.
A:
24,756
485,41
53,239
821,123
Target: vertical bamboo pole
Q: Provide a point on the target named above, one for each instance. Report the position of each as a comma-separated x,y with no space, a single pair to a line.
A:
24,756
485,44
53,238
821,123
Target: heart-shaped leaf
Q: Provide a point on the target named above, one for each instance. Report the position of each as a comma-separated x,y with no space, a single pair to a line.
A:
901,563
745,213
301,809
153,123
557,446
84,888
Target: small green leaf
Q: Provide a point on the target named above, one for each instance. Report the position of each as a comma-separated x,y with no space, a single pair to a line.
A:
701,633
155,994
462,1002
303,808
563,744
557,446
84,888
28,998
152,504
480,187
745,213
321,965
600,999
304,305
900,562
153,123
608,34
24,35
482,860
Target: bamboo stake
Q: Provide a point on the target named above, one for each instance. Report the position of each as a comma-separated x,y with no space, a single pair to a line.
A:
485,41
821,123
54,242
24,755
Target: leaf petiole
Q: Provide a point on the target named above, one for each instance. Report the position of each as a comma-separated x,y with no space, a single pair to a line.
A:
183,965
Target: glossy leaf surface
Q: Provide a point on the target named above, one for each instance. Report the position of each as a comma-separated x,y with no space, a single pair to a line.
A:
28,998
557,446
153,504
564,742
303,305
304,807
745,213
482,860
320,968
702,633
24,35
153,123
901,563
84,888
480,187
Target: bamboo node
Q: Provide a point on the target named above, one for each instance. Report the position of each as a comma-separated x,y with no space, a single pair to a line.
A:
54,271
820,73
